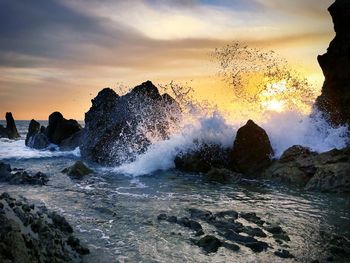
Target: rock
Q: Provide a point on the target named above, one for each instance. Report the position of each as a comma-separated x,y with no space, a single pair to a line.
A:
230,213
60,129
209,243
118,128
161,217
334,100
252,243
27,237
282,253
327,172
77,170
253,218
33,129
204,158
222,176
201,214
35,137
252,149
10,131
72,142
21,177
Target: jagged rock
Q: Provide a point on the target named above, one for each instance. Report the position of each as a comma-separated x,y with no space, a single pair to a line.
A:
11,130
222,176
252,149
282,253
209,243
17,176
334,100
35,137
203,158
328,171
33,234
60,128
117,128
78,170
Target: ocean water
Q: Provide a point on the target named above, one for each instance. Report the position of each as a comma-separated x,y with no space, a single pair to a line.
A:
114,212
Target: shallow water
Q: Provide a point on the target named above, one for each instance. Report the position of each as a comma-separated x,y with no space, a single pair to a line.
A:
115,215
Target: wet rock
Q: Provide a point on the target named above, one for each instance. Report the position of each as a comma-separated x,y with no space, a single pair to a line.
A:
201,214
194,225
20,176
254,231
282,253
77,170
161,217
172,219
334,101
231,246
117,127
71,142
252,243
229,213
35,137
10,131
45,243
253,218
278,232
60,128
327,172
33,129
252,149
222,175
209,243
204,158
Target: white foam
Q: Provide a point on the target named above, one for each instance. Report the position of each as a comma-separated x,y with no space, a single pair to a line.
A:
285,129
16,149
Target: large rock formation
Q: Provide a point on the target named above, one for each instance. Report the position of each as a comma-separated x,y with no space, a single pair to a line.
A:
335,98
326,172
117,128
252,149
60,131
34,234
11,130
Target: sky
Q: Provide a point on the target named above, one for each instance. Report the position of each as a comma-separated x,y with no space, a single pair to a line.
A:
55,55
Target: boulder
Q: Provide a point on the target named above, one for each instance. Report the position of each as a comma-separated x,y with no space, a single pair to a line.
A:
334,100
327,172
203,158
118,128
35,137
77,170
209,243
10,131
252,149
34,234
60,128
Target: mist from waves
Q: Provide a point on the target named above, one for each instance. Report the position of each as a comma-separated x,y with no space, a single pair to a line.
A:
285,129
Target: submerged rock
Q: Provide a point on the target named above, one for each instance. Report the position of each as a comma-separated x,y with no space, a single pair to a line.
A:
252,149
31,234
222,176
17,176
10,131
334,100
328,171
118,128
203,159
78,170
209,243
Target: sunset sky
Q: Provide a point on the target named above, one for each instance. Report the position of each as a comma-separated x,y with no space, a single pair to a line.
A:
57,54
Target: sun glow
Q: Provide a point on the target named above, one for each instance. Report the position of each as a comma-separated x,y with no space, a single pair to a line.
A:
270,98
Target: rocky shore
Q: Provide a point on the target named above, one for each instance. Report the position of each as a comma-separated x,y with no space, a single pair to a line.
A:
34,234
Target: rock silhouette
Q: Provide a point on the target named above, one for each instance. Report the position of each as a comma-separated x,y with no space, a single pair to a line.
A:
11,130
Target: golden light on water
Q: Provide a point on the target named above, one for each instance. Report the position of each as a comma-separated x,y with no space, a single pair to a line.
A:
269,97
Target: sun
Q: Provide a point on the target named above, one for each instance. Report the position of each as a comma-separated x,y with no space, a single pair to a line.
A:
270,98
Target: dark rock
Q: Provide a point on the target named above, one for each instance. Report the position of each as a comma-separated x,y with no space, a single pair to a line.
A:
201,214
230,246
253,218
252,243
295,152
33,129
71,142
222,175
77,170
45,243
254,231
60,128
204,158
117,129
230,213
282,253
21,177
334,100
61,223
172,219
35,137
161,217
209,243
194,225
252,149
10,131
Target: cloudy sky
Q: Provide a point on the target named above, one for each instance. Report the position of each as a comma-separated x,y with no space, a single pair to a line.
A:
57,54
